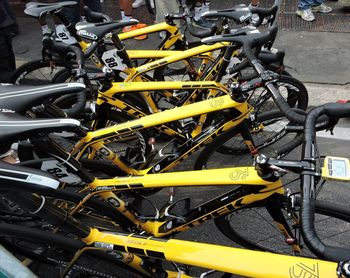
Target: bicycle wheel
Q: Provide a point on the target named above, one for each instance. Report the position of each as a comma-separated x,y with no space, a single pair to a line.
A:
267,125
37,72
270,136
209,158
292,90
53,252
253,227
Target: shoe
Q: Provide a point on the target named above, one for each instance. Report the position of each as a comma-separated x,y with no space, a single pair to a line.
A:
306,14
138,3
136,27
202,23
321,9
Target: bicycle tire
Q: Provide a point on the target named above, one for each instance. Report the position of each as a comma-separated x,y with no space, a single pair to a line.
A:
270,138
54,249
37,72
267,124
297,94
217,155
264,235
209,158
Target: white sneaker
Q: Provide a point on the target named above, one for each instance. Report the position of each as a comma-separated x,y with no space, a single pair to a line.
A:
138,3
306,14
321,9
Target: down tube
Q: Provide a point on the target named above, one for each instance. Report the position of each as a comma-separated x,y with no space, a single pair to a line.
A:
221,258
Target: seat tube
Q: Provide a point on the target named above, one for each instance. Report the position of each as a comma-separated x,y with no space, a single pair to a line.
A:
225,62
247,137
121,50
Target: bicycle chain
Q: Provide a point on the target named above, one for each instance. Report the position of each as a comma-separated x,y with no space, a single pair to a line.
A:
86,270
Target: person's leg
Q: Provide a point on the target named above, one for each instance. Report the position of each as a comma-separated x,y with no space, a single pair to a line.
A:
304,10
138,4
201,7
126,14
305,4
205,6
319,7
7,56
307,7
165,7
197,10
254,2
73,13
126,9
14,25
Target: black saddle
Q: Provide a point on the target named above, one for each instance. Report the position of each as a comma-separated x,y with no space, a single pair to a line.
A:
17,177
37,9
95,17
238,15
242,13
23,97
96,31
14,127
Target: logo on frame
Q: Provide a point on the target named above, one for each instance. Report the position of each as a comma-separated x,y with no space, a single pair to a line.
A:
303,270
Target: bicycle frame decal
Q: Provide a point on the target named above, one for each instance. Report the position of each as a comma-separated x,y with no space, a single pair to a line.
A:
232,260
304,270
238,173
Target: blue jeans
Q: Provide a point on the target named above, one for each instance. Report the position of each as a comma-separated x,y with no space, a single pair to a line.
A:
307,4
74,13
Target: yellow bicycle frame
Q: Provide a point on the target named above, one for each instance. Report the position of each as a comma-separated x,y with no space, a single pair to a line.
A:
174,36
226,259
244,176
95,139
219,206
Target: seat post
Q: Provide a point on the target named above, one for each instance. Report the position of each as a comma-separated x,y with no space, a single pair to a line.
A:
121,50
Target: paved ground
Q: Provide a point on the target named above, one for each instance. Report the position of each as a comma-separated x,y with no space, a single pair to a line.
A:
320,59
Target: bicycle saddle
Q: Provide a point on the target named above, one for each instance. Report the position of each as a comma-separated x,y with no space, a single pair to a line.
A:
30,96
96,31
38,9
92,16
238,15
17,177
245,36
241,14
16,127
